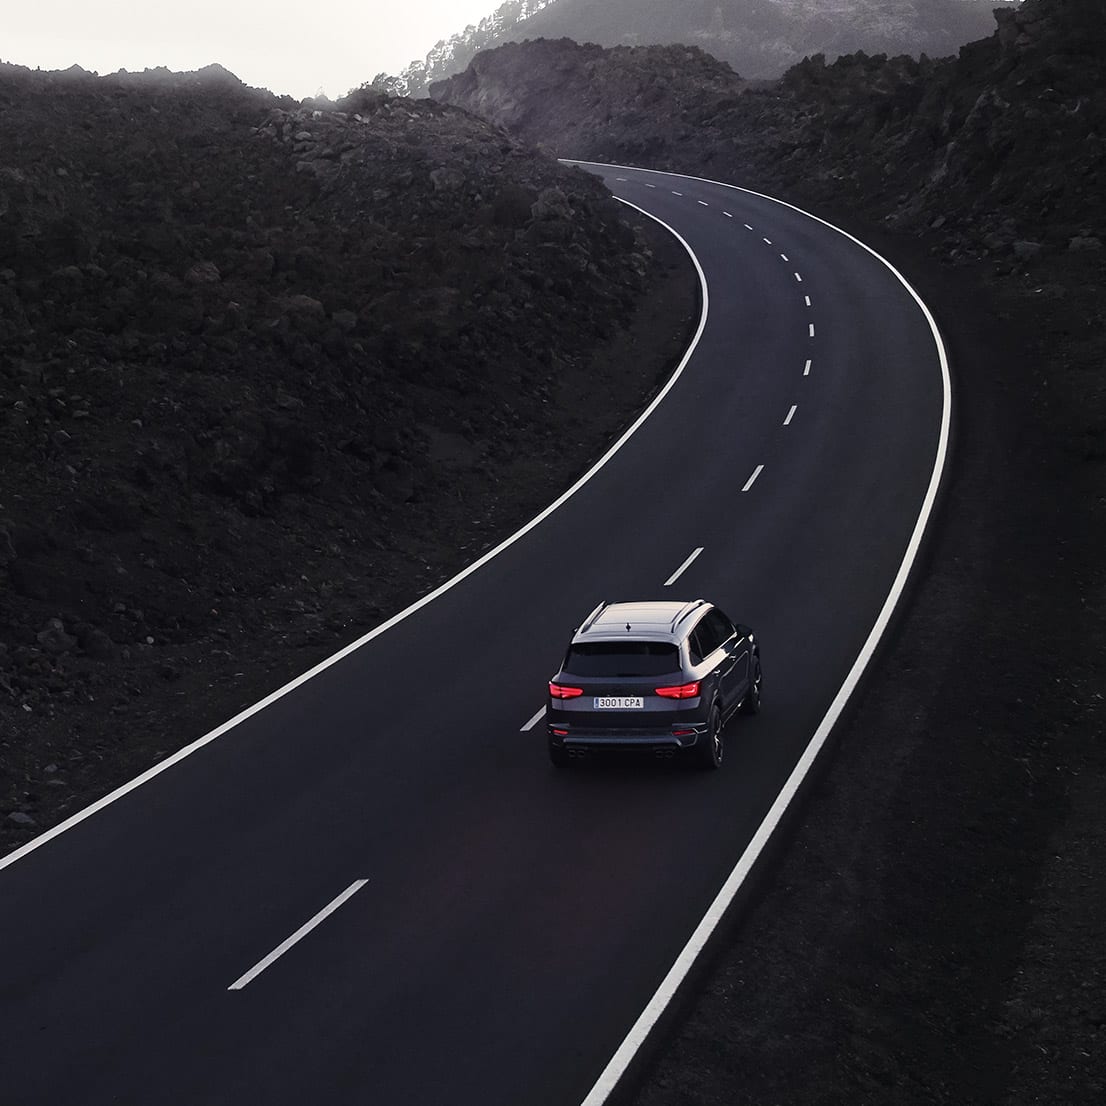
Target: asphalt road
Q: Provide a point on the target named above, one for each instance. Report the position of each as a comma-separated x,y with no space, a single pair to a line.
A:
505,923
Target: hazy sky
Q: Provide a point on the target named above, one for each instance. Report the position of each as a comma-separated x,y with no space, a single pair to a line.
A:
291,46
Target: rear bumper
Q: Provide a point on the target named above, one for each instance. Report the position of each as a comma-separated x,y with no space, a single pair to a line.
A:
671,738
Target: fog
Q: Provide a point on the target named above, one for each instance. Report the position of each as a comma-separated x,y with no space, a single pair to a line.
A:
288,47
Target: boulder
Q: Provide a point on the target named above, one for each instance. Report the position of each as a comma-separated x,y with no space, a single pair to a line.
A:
94,642
305,307
446,180
35,580
7,549
259,264
203,272
53,638
551,203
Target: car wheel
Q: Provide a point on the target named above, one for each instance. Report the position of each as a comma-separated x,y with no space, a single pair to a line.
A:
558,756
751,703
710,750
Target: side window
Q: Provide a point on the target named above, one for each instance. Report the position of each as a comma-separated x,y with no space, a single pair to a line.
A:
708,637
721,625
714,630
694,649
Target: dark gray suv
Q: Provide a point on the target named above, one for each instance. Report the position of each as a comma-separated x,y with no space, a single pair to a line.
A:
661,676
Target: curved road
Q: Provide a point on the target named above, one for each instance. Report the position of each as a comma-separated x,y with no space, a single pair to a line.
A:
497,927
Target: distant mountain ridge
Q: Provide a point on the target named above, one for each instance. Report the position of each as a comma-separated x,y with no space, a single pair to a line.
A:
757,38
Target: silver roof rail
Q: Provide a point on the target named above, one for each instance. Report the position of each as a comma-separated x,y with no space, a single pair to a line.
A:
586,624
687,609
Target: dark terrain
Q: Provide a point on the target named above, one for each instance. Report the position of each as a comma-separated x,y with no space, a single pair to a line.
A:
268,373
932,933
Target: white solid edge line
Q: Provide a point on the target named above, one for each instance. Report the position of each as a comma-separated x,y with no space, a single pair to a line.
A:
533,721
199,743
791,414
683,568
640,1030
753,479
299,935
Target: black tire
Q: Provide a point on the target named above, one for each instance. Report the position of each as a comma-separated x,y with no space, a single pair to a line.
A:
558,756
709,750
751,702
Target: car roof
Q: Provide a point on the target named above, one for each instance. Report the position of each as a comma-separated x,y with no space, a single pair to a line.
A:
653,620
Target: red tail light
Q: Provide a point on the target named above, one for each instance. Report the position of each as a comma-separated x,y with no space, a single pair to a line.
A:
559,691
684,691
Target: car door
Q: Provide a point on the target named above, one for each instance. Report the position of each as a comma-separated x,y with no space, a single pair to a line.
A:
734,671
711,636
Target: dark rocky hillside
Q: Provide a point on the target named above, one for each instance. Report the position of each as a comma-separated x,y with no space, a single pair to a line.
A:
965,138
264,378
758,38
643,105
761,38
932,933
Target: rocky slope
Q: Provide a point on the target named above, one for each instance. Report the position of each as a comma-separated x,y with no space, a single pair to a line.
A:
932,933
256,359
757,38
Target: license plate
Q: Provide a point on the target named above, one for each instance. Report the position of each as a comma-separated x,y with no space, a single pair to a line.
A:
619,702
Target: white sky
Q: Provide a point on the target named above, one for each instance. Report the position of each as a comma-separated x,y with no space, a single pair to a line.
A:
288,46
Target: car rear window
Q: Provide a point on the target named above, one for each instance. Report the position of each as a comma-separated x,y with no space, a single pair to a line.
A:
622,658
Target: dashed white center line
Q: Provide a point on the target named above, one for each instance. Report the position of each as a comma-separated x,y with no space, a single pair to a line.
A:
299,935
798,278
753,479
650,186
768,241
784,256
623,179
790,415
747,227
683,568
533,721
806,371
677,193
727,214
812,330
806,299
702,203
